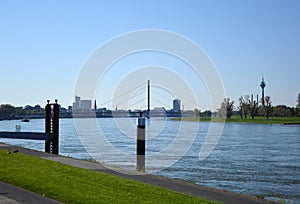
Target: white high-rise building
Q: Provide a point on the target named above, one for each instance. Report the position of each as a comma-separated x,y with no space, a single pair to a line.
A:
176,105
86,105
83,105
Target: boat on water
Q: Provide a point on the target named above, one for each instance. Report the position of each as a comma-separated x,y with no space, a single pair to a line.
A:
25,120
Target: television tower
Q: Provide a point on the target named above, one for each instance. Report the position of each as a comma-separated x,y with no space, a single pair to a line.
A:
263,85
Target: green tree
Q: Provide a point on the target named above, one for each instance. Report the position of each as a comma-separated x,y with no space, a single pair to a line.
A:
196,112
240,107
281,111
267,107
207,114
298,105
226,108
298,100
253,109
7,110
246,106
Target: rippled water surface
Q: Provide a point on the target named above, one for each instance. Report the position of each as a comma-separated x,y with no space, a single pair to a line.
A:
250,159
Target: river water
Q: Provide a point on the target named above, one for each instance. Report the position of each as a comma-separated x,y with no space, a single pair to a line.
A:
250,159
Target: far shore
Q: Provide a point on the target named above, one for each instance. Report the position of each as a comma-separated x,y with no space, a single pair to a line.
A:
237,119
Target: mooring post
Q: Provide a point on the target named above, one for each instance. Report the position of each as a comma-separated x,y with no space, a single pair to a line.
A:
55,130
140,144
47,125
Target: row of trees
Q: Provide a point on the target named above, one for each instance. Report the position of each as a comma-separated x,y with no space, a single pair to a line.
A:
247,107
8,111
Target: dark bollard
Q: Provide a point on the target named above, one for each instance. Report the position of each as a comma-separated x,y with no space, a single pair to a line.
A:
47,125
140,144
55,130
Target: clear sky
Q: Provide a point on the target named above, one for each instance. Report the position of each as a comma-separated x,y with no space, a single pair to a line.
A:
44,44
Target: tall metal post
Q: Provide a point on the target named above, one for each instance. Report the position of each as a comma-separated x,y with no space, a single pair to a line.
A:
140,144
55,129
148,98
47,125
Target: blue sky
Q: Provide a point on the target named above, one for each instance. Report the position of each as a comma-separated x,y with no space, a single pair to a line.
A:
44,44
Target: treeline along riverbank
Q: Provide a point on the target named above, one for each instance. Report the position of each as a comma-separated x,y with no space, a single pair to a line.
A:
9,112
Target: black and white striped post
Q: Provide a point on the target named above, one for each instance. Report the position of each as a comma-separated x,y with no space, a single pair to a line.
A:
52,127
140,144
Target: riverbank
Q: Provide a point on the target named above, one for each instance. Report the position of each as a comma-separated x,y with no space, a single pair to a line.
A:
70,184
257,120
62,181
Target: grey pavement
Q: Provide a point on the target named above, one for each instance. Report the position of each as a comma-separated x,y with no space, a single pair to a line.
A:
167,183
10,194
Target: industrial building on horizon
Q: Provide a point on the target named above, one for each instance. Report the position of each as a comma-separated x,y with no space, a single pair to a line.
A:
82,105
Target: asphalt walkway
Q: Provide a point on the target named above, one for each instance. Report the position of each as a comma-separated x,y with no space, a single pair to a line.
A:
10,194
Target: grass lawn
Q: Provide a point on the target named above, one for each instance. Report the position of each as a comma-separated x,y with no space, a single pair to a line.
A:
74,185
257,120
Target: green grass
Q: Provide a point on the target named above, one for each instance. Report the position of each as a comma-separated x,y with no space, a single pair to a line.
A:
75,185
257,120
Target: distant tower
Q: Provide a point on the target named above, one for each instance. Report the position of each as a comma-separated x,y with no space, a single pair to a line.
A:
263,85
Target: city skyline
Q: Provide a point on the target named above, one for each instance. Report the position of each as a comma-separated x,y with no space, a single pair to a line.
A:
44,46
89,104
174,104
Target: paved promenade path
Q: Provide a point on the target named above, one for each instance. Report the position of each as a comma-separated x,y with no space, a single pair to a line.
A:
10,194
